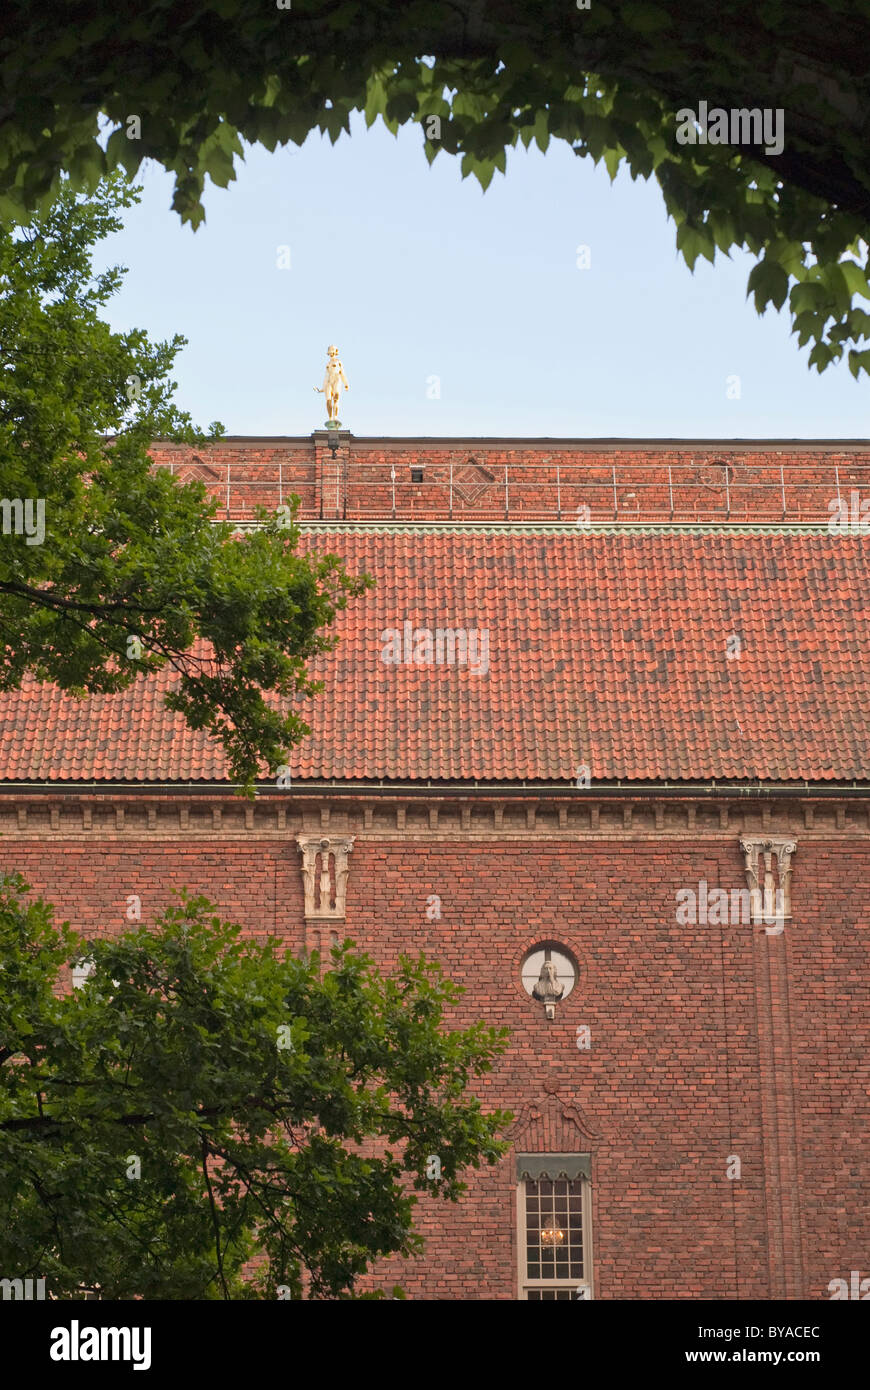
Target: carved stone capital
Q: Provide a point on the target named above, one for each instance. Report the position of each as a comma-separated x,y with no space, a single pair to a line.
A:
769,900
325,894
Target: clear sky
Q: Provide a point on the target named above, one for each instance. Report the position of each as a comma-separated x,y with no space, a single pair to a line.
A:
418,275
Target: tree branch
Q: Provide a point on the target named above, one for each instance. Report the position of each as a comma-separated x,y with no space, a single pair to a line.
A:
214,1217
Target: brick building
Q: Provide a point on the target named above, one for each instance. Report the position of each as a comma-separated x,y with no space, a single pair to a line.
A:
600,732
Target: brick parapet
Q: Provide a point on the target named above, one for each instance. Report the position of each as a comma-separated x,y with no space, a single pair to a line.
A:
471,480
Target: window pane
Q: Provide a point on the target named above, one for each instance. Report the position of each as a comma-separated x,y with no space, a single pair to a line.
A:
553,1218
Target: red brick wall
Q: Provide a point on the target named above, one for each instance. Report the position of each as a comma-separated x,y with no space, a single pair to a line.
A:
706,1041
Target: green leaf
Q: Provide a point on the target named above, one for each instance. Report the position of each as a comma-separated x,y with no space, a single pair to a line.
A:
808,325
540,130
859,362
768,281
855,277
693,242
808,295
376,100
612,160
482,169
821,355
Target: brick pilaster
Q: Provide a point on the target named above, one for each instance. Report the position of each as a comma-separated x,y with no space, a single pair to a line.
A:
331,473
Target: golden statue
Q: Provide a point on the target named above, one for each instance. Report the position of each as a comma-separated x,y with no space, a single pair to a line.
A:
332,381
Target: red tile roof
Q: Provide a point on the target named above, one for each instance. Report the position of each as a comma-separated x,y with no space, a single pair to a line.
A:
609,649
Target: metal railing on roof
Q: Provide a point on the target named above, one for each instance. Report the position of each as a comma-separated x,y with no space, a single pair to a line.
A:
721,491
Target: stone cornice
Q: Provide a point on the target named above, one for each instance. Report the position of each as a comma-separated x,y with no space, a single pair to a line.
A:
523,442
104,816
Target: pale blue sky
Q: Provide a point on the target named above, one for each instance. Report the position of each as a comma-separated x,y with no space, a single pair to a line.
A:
416,273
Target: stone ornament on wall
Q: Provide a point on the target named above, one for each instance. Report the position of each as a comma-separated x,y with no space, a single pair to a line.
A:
552,1126
320,901
768,898
549,973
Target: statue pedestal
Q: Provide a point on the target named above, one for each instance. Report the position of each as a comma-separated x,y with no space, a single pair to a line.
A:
333,424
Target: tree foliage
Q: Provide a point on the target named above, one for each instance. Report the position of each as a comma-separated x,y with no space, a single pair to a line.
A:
608,79
203,1098
132,573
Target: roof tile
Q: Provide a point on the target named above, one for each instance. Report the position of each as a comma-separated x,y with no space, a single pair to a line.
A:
605,649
